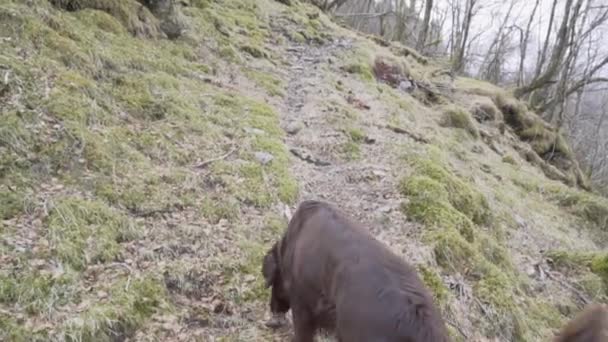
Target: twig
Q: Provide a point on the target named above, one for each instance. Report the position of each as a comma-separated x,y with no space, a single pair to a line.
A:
581,296
412,135
455,325
204,164
151,212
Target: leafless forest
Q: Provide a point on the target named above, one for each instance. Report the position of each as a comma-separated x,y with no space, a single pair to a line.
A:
551,53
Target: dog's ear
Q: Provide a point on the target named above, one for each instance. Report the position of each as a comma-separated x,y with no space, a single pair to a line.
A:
270,267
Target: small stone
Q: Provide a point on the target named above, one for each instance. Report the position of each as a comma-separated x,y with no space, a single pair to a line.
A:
385,209
254,131
102,294
294,127
520,221
477,149
486,168
405,85
218,306
278,320
250,278
378,173
264,157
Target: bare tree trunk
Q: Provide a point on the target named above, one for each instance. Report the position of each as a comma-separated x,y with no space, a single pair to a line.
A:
425,26
458,64
524,46
543,52
557,56
494,56
569,65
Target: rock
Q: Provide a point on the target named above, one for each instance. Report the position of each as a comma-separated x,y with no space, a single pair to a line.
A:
254,131
294,127
405,85
385,209
278,320
379,173
477,149
220,307
520,221
486,168
264,157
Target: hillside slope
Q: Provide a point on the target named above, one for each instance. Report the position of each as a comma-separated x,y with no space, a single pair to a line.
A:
148,158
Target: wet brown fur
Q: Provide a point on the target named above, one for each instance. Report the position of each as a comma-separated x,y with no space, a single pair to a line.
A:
335,276
589,325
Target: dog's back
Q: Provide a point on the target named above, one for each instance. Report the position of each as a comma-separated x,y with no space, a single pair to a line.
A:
377,296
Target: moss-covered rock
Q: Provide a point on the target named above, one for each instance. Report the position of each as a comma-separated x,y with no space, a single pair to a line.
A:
460,195
459,118
136,18
509,160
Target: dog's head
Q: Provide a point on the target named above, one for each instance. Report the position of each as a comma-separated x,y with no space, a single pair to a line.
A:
279,299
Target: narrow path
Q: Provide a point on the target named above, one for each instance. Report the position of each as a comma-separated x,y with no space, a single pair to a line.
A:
365,187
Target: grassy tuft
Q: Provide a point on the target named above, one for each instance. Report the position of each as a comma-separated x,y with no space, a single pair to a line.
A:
83,232
435,284
460,195
137,300
591,208
459,118
509,160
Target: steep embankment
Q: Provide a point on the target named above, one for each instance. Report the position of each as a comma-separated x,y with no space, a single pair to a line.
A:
147,156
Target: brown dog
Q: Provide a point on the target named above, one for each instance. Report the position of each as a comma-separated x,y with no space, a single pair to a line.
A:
589,325
334,275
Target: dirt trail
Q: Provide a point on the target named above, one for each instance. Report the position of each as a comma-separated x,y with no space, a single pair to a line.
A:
365,187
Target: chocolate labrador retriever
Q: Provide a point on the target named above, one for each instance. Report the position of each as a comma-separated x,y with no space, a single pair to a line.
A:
589,325
334,276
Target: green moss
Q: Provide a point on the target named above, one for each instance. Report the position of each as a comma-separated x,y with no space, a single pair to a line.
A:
594,286
599,266
460,195
137,299
11,203
493,252
432,280
253,51
580,265
82,232
459,118
592,208
350,150
36,291
215,209
137,19
476,87
13,329
361,69
453,252
272,85
428,203
509,160
275,225
356,135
